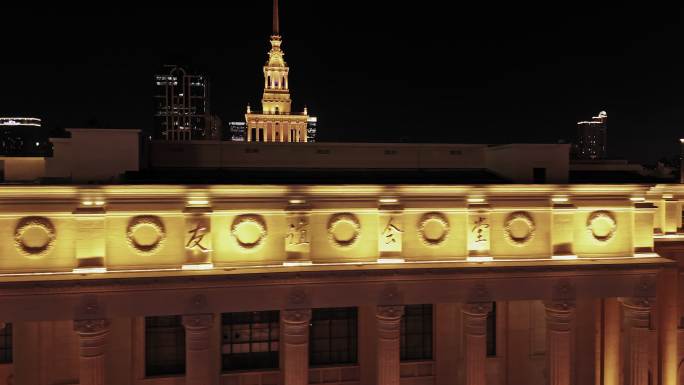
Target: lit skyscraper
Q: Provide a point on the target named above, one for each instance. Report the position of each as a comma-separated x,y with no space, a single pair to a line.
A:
311,127
182,106
591,138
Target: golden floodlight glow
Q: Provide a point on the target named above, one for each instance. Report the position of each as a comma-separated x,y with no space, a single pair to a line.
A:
559,199
297,201
646,255
668,196
87,203
479,259
391,260
387,201
89,270
197,266
476,200
198,202
637,199
563,257
297,263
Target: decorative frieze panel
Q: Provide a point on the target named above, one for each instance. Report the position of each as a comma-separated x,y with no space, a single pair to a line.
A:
34,237
298,237
602,226
249,231
519,229
433,229
391,234
268,231
479,230
198,242
146,235
344,230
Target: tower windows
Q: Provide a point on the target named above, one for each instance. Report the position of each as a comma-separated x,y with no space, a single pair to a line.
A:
269,81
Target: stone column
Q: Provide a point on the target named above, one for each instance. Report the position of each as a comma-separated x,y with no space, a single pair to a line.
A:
475,328
389,333
559,317
198,367
611,341
92,335
668,313
295,347
637,319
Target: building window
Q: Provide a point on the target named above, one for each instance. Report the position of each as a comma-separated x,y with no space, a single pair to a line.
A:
416,333
250,340
164,346
6,344
491,332
333,336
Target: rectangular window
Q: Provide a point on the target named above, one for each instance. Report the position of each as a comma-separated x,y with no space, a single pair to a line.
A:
6,344
491,332
333,336
164,346
250,340
416,333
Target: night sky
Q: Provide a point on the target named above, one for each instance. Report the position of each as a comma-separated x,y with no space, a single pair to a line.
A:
370,70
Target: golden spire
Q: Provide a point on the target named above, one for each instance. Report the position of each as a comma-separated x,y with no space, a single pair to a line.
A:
276,19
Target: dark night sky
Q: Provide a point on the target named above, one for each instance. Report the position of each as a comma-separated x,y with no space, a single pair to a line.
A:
375,71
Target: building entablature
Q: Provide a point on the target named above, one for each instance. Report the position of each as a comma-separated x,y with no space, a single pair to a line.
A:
138,228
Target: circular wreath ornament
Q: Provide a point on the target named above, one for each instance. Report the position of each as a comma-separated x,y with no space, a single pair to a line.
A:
433,229
519,228
249,231
602,225
146,234
344,230
34,237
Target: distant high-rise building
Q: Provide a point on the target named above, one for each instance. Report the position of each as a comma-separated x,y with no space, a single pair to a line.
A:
591,138
236,132
276,122
311,127
182,106
23,137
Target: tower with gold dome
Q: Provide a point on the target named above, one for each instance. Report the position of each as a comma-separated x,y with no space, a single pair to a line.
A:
276,122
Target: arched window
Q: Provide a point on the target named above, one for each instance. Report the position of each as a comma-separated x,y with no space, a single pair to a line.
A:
284,86
269,80
277,110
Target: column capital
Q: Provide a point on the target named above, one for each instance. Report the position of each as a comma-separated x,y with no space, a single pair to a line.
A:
198,321
637,311
297,316
475,317
559,315
477,309
91,326
390,313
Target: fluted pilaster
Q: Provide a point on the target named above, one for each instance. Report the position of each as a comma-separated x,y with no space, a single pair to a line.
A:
637,318
559,316
198,358
295,324
389,333
92,344
475,328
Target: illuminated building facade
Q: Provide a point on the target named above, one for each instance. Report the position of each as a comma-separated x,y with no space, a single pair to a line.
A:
340,284
592,136
236,132
182,106
311,128
276,122
23,137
